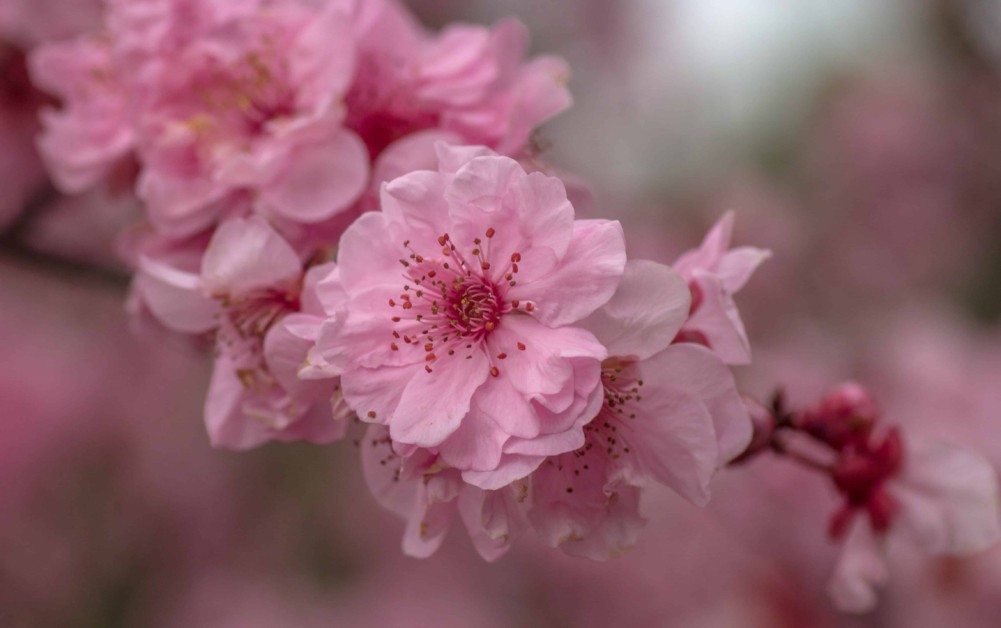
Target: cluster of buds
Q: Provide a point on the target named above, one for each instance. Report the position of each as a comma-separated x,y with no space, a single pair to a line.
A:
941,499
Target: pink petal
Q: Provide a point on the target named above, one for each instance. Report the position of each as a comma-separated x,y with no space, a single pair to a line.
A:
375,393
540,94
320,179
246,253
414,201
322,61
674,438
416,151
452,156
433,404
696,371
711,251
175,297
366,257
360,333
179,205
599,520
860,571
456,70
737,266
949,498
477,443
317,290
227,424
491,518
529,215
481,184
645,313
506,407
719,321
584,280
431,519
381,470
511,468
284,354
543,366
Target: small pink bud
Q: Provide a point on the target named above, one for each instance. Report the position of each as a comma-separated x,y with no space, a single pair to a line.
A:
844,417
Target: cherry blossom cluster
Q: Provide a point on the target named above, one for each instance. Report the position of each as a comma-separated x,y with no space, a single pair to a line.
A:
893,488
350,208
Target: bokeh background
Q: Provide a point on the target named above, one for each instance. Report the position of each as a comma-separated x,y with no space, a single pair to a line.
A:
859,140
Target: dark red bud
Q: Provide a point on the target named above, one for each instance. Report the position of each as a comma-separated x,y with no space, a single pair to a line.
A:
881,508
844,417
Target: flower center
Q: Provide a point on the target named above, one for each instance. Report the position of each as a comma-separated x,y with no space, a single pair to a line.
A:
252,314
622,392
239,101
473,307
606,437
453,301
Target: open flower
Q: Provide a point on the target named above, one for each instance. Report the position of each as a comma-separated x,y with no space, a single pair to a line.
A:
250,281
467,80
715,273
457,328
252,110
671,414
224,105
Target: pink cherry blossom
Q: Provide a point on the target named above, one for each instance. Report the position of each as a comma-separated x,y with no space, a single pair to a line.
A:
715,273
223,104
943,500
467,80
252,108
250,281
671,414
457,329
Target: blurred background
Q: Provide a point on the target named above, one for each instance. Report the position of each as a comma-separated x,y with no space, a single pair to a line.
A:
859,140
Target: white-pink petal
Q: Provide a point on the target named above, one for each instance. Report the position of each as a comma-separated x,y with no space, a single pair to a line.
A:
585,278
646,312
949,499
860,571
245,254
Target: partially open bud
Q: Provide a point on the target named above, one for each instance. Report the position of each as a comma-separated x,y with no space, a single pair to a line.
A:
842,418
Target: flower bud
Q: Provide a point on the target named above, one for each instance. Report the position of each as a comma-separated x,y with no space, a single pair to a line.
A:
844,417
